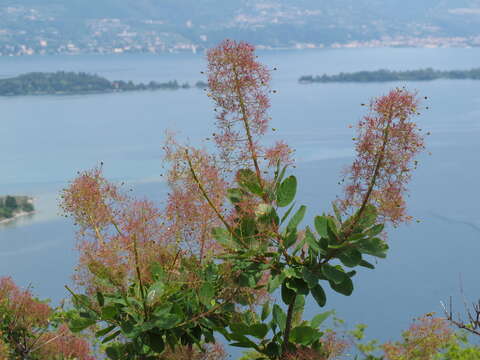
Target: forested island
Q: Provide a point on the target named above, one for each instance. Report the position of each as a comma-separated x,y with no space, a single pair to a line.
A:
12,206
389,75
72,83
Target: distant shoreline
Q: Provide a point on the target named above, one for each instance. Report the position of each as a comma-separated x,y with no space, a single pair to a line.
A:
79,83
16,216
383,75
14,206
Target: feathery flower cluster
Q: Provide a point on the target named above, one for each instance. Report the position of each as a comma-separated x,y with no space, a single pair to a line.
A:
89,200
387,142
304,354
239,86
117,234
190,217
62,344
332,348
209,352
422,341
279,153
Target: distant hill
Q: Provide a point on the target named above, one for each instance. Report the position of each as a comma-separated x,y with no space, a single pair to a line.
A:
59,26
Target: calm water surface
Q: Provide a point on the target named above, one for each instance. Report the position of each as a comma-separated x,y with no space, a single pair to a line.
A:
46,140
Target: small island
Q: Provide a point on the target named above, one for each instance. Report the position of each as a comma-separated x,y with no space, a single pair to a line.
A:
74,83
15,206
389,75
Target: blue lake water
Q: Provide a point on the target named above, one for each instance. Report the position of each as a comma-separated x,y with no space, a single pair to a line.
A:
46,140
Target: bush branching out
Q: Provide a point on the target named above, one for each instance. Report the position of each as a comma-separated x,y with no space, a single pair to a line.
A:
31,329
427,338
171,280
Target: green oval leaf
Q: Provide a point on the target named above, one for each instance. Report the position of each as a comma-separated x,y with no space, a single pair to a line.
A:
297,285
375,230
109,312
320,318
155,292
297,218
167,321
321,225
156,342
279,317
367,264
319,295
206,293
344,288
290,239
78,324
287,191
258,330
303,335
311,241
100,298
247,179
287,294
351,258
265,311
375,247
333,274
